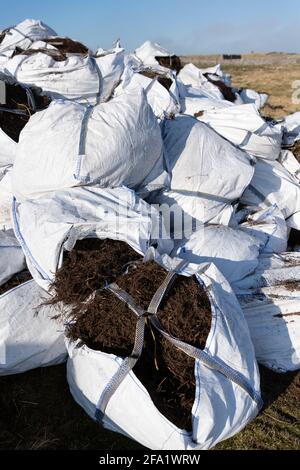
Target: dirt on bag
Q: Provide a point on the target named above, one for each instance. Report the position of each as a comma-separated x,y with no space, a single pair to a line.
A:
226,91
172,62
295,149
294,239
165,81
104,323
18,108
15,281
63,47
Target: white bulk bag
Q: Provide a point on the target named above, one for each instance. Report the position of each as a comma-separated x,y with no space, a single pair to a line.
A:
162,101
221,408
243,126
8,149
112,144
251,96
290,163
272,314
77,78
273,184
29,336
12,259
269,226
207,172
47,226
111,66
291,128
146,53
24,34
192,76
184,214
85,79
6,199
196,100
272,270
196,93
233,252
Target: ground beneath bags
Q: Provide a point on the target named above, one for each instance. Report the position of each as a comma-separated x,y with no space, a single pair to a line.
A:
105,323
38,412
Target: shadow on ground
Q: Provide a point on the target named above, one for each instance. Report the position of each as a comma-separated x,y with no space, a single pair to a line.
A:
38,412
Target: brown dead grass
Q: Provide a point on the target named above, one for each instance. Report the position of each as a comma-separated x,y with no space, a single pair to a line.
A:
269,73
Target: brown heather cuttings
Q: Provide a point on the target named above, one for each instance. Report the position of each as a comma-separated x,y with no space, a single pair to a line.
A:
102,322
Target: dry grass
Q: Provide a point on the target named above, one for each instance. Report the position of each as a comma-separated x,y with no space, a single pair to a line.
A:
273,74
38,412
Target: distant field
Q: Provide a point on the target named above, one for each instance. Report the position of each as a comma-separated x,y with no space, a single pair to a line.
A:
270,73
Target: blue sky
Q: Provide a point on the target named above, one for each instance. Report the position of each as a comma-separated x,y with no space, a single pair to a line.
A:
183,26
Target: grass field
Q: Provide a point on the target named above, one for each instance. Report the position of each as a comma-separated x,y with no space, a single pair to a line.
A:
269,73
36,408
38,412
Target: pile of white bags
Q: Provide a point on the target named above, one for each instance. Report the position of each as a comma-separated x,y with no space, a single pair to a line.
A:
232,379
181,166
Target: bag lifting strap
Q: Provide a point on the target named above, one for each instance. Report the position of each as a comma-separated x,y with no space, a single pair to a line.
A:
151,313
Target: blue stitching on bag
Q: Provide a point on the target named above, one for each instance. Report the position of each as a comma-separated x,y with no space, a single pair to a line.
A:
23,244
